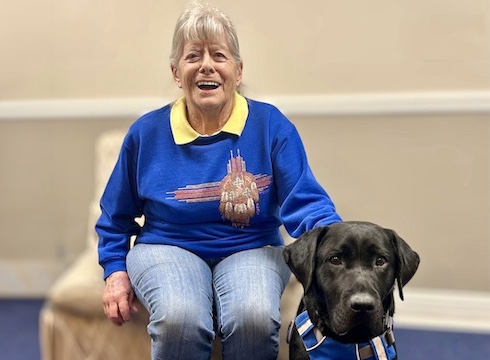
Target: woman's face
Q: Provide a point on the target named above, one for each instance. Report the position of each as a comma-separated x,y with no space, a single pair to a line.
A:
208,74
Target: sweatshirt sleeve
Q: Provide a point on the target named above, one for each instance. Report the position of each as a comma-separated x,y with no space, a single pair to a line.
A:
120,205
304,204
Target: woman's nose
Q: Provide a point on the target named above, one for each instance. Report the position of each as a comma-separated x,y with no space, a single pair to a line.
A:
207,65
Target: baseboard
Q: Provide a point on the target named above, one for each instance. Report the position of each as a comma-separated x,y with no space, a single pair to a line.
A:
431,309
29,278
444,309
395,103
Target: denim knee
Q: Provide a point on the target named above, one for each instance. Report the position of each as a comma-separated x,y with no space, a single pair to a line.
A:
181,328
254,321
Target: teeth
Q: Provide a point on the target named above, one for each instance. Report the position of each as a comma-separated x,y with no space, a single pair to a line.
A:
207,83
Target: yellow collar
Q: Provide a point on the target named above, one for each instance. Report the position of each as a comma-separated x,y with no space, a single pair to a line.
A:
183,133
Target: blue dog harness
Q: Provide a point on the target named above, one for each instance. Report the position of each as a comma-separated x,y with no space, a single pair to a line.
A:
320,347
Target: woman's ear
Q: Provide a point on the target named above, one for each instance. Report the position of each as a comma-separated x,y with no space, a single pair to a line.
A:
175,74
239,75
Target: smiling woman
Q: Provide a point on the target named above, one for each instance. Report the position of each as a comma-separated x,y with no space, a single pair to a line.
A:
214,175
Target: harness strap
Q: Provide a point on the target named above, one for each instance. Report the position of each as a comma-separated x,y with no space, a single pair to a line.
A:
321,347
367,352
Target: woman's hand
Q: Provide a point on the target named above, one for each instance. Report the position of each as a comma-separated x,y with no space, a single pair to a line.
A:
118,298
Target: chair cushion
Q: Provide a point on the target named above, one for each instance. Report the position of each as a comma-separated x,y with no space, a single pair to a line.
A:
80,287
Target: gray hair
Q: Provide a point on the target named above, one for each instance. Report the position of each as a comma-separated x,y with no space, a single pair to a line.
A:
199,21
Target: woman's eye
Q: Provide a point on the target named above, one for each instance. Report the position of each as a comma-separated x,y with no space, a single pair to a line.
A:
335,260
191,56
220,56
380,261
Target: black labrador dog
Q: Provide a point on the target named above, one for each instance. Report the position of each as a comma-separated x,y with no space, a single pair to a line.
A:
348,271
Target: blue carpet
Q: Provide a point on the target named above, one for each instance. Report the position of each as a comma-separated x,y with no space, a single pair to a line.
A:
441,345
19,337
19,329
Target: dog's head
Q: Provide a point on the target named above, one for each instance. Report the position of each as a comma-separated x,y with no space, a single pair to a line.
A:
348,271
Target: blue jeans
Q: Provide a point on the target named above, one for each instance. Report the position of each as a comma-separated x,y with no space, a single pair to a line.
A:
190,300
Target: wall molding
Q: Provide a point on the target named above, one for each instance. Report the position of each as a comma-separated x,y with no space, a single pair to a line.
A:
401,103
396,103
423,308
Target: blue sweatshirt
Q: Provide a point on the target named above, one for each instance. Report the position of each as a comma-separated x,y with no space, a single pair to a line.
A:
212,195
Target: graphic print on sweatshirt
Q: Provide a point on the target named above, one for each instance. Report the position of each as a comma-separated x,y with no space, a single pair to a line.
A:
238,192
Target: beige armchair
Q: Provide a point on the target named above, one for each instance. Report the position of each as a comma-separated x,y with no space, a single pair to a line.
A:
72,322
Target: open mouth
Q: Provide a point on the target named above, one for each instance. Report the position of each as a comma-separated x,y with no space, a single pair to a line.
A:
208,85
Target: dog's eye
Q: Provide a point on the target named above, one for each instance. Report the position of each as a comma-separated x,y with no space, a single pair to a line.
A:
335,260
380,261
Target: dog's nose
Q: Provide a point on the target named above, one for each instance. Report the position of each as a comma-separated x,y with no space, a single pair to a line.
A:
362,302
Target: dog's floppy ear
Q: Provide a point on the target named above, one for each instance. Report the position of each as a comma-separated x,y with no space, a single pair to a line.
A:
300,255
407,261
